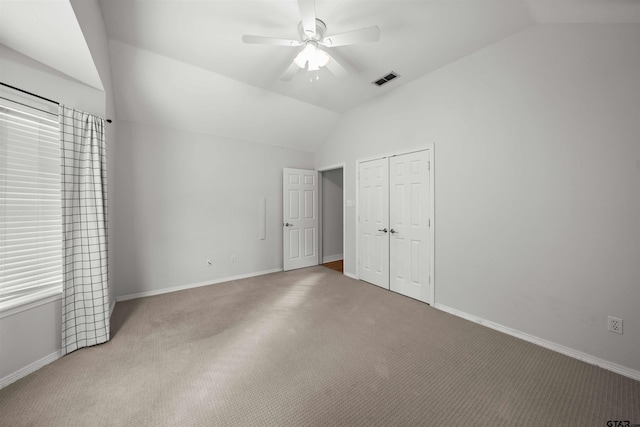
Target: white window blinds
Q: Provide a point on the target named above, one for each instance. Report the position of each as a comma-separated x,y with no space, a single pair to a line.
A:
30,206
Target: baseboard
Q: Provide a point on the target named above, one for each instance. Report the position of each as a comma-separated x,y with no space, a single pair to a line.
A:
194,285
351,275
567,351
23,372
32,367
332,258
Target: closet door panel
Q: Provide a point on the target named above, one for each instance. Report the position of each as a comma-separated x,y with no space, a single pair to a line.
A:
409,212
373,202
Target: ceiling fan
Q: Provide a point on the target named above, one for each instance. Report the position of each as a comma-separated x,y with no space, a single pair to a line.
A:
312,36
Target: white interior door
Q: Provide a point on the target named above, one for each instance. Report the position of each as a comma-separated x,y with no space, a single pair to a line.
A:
300,218
373,195
409,222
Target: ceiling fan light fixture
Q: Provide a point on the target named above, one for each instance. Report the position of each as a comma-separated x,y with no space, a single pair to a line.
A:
321,57
302,63
305,55
311,57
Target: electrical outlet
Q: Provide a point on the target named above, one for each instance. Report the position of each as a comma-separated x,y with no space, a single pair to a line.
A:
233,259
209,262
614,325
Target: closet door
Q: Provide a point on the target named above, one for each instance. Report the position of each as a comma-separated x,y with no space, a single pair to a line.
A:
409,234
373,202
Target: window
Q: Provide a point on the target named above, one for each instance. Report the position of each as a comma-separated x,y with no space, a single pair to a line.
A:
30,206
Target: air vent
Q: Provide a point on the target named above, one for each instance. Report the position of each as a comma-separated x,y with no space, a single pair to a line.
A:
385,79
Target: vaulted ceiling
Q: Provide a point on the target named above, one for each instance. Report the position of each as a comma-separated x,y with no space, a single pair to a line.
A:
182,64
417,37
48,32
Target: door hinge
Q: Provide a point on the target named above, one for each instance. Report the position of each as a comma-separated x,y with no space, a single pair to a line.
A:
429,222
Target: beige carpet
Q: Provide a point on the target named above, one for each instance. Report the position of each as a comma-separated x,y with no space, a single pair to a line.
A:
311,347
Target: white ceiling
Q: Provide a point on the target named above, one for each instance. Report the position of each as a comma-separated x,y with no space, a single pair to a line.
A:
158,90
182,64
416,37
47,31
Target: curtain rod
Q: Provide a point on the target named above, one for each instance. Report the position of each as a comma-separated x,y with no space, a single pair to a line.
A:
37,96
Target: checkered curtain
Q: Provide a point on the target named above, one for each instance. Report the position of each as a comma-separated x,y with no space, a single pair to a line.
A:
85,301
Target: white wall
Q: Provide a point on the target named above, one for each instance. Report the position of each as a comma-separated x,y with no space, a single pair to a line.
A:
537,185
155,89
42,324
332,214
28,336
25,73
184,197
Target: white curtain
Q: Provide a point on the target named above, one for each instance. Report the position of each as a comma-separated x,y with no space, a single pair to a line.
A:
85,301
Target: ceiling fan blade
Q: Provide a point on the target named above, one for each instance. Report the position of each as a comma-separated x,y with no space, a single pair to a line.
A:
289,72
269,40
363,35
308,15
336,68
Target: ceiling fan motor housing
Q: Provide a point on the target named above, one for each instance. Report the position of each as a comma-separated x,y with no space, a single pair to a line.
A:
321,29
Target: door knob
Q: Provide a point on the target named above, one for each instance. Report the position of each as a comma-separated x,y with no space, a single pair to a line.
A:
384,230
288,225
392,231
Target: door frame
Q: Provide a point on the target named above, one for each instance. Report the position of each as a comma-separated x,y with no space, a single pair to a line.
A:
432,210
344,210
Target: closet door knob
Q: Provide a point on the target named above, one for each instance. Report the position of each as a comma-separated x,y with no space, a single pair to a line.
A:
384,230
288,225
392,231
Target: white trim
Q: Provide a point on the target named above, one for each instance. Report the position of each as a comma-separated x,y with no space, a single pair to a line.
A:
351,275
331,167
51,296
344,214
332,258
432,229
357,202
567,351
394,153
30,368
320,239
344,201
194,285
